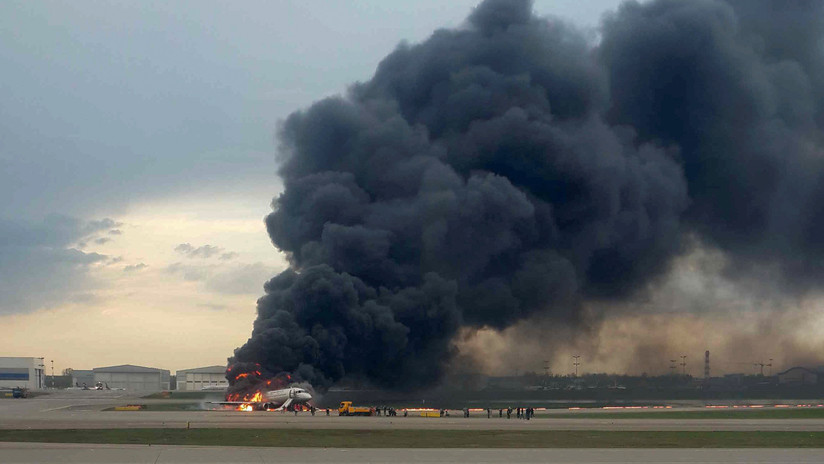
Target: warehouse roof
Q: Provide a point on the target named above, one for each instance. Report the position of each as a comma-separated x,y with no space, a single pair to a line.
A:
204,370
805,369
127,368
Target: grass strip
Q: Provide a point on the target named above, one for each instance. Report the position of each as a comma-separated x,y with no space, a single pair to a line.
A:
817,413
337,438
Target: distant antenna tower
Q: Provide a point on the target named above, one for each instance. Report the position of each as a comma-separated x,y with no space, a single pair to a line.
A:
576,363
546,373
762,365
673,366
684,363
706,364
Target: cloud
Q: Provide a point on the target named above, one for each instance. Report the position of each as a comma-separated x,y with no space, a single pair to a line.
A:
212,307
40,264
106,223
135,267
115,232
226,278
85,298
191,273
102,240
205,251
228,256
241,279
184,248
233,280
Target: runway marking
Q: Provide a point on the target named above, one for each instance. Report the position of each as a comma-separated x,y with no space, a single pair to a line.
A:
56,409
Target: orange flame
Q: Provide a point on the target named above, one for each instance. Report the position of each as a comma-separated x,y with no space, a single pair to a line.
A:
243,375
249,400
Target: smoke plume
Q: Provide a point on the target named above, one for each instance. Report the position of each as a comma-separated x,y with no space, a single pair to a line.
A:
510,170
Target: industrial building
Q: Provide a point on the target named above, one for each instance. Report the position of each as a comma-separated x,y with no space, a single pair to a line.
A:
22,372
212,377
82,378
798,376
132,378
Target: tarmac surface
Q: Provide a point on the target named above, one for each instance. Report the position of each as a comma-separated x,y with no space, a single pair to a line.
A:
84,410
42,452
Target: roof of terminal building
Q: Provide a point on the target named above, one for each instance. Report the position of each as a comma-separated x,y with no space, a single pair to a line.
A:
203,370
128,368
805,369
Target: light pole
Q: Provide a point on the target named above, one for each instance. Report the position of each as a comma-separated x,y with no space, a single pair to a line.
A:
576,363
52,365
546,374
762,366
684,363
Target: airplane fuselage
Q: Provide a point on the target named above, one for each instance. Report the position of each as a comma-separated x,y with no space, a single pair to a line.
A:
274,399
286,396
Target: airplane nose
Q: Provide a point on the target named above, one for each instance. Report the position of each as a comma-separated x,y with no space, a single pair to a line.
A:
304,396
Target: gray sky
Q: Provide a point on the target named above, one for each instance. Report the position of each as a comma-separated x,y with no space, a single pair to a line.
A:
104,104
130,128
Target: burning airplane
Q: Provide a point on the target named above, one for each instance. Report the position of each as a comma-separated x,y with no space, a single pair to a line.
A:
271,400
263,393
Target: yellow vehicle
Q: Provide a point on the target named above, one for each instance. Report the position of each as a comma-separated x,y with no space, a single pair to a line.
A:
346,409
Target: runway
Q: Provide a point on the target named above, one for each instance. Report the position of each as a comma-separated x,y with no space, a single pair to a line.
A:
84,410
128,454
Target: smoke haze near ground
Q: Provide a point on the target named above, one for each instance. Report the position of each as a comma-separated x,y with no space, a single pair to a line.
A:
510,176
696,308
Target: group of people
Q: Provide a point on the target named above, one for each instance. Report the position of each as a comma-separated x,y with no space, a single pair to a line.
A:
387,411
520,413
295,408
526,413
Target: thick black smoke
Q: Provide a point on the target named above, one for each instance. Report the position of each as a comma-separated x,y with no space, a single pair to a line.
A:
510,168
738,87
